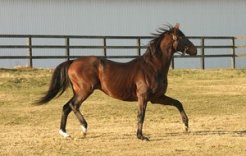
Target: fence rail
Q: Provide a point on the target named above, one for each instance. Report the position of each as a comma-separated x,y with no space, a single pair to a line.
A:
67,46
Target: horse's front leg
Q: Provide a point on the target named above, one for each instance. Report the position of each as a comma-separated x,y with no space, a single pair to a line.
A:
165,100
142,104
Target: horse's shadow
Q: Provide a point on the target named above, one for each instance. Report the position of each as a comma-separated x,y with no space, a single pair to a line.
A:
167,136
241,133
220,132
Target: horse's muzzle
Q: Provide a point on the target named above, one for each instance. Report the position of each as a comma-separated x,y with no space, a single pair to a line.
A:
192,51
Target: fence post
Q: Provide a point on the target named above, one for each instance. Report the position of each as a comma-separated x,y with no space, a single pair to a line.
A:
104,47
233,53
202,54
30,51
139,46
67,53
173,63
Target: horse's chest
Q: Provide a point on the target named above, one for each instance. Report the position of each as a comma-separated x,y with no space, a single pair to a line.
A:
159,86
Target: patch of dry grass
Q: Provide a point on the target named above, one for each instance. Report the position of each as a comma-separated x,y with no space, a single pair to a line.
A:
214,101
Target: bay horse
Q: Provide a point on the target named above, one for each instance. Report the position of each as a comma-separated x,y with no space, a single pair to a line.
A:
143,79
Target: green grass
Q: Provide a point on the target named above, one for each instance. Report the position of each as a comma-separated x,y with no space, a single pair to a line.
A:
213,99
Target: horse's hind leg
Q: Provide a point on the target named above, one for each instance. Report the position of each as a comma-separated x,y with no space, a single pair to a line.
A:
65,112
75,107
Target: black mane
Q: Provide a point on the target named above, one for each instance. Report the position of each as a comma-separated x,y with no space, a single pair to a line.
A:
154,44
160,33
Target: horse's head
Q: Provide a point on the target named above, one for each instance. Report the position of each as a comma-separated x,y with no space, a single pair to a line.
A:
181,42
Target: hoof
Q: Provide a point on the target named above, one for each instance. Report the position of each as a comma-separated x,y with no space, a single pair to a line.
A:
143,138
84,134
64,134
84,130
186,129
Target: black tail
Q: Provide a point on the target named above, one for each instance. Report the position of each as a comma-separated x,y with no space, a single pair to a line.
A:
59,83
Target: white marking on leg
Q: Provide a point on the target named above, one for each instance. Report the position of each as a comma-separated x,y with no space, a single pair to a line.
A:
84,130
64,134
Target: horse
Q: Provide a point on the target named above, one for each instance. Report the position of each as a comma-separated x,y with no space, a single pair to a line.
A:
143,79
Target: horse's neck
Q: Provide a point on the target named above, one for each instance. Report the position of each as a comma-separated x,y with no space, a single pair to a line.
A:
159,60
166,59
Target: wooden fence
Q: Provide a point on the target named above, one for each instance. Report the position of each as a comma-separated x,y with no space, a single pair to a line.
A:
200,42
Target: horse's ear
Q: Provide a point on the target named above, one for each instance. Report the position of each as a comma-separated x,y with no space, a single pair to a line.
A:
177,26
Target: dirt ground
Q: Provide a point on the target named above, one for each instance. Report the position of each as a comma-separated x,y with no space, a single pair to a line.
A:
215,101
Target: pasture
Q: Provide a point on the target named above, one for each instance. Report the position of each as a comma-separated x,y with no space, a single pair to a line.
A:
214,100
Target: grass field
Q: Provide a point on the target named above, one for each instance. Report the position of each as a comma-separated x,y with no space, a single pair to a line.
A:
215,101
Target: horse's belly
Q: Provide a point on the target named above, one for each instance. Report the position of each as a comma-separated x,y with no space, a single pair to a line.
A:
117,80
121,92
